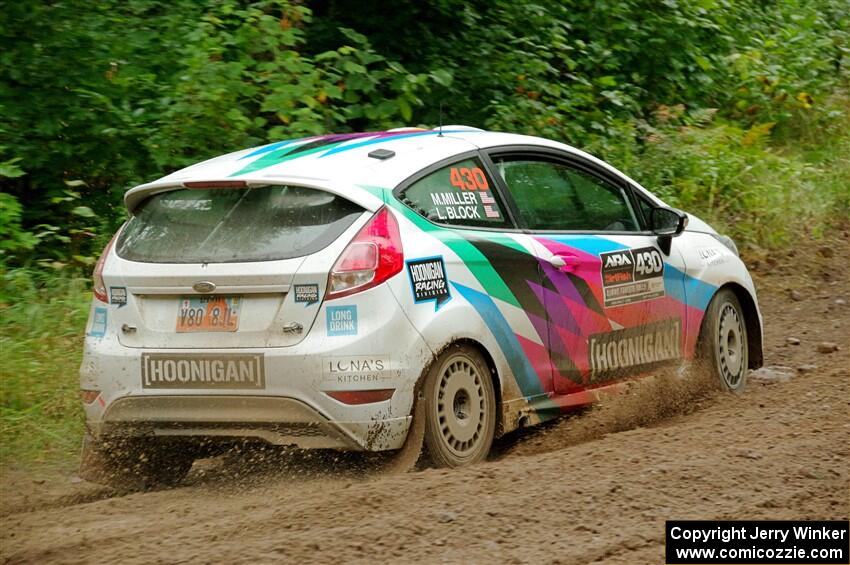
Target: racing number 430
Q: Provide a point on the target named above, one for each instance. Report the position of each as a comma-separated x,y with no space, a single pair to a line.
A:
465,178
648,262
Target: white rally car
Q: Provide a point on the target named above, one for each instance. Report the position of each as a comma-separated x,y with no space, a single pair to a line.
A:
317,292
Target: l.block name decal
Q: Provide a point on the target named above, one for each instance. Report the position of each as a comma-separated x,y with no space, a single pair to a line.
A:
342,320
428,281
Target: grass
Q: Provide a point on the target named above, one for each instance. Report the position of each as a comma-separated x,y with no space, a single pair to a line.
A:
42,321
764,185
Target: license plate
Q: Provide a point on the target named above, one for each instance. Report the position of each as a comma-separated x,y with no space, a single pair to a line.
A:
208,314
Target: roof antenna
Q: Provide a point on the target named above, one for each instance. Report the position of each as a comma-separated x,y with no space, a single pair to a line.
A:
440,131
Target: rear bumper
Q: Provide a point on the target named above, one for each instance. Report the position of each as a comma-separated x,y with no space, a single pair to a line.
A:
279,421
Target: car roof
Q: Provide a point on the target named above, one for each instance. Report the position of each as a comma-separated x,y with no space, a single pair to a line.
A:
341,163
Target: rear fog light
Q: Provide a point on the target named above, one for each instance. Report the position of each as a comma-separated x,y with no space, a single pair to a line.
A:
361,396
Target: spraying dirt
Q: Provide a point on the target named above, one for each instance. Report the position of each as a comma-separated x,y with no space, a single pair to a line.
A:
595,487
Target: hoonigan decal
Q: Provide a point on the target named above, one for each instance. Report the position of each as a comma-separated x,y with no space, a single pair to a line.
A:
203,370
622,352
428,281
118,295
307,293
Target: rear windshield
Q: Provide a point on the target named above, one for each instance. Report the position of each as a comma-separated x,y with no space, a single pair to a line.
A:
234,225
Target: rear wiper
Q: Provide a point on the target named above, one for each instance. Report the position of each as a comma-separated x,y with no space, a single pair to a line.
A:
224,219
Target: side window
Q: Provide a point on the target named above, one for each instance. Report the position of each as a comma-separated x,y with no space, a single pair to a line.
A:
554,196
459,194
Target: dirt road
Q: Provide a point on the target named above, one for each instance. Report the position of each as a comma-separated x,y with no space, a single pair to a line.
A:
590,489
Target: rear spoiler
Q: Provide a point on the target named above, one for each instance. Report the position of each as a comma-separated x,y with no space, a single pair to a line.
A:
361,197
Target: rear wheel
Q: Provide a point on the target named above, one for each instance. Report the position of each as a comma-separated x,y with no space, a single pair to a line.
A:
460,408
135,462
723,341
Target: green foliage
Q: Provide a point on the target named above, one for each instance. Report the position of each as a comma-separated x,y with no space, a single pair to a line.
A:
13,238
102,97
246,81
99,97
741,184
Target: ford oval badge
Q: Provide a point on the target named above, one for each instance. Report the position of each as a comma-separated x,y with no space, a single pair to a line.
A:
204,286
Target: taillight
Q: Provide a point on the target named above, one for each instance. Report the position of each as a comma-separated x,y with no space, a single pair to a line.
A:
98,286
373,256
361,396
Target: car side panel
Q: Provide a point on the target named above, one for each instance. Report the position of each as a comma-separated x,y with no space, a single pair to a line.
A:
489,303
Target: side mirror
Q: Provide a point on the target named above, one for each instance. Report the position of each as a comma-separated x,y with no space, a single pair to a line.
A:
667,223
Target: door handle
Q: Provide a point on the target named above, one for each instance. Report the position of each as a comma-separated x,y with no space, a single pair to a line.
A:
565,262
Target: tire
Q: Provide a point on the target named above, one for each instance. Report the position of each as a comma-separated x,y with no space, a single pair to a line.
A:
723,349
135,463
460,408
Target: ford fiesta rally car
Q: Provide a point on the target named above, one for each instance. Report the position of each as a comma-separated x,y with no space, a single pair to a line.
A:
317,292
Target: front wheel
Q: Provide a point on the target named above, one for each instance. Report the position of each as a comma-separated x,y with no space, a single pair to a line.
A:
723,346
460,408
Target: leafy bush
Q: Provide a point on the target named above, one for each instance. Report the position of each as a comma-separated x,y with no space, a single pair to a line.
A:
737,180
100,99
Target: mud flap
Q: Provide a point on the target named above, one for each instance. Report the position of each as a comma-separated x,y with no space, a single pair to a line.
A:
406,458
95,465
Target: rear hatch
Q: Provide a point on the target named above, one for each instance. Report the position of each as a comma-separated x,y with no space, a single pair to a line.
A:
226,267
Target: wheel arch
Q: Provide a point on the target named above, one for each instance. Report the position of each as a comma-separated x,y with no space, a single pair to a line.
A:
753,322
